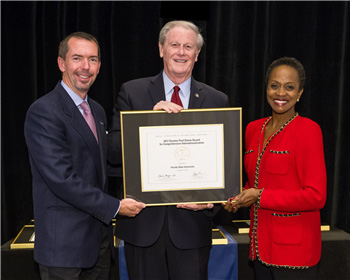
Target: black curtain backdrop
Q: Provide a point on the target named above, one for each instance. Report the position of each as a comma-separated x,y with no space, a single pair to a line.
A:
241,40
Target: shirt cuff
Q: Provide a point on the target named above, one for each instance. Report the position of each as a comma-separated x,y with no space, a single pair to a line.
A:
116,213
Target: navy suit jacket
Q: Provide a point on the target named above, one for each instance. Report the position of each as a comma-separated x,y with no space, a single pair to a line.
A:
188,229
69,180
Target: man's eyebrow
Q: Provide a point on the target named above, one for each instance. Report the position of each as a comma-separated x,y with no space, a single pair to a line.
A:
91,56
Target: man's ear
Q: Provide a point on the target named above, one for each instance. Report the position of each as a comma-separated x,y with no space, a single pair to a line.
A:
60,62
160,49
197,55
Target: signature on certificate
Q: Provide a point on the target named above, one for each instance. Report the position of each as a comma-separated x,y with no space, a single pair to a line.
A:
198,174
166,177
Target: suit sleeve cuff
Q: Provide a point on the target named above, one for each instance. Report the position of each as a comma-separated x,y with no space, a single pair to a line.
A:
259,198
116,213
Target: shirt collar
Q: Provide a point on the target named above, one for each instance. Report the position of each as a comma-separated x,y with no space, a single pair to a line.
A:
75,97
185,87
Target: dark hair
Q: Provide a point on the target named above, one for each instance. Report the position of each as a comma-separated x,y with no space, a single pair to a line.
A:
63,48
292,62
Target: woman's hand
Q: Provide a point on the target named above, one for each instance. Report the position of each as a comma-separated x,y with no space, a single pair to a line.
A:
245,199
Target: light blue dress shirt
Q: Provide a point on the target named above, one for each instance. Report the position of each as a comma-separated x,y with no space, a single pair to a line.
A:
75,97
184,92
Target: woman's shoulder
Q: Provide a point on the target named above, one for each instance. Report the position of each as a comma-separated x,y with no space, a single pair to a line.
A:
307,123
255,126
258,122
307,127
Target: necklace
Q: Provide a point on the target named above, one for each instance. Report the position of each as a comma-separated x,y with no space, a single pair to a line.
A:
264,146
254,237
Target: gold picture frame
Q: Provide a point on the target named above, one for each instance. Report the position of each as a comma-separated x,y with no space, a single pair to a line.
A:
218,130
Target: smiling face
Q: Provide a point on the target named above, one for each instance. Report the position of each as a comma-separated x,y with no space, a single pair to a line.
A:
179,53
80,66
283,90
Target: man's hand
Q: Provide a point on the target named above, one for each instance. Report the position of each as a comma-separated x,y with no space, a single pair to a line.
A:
167,106
130,207
196,207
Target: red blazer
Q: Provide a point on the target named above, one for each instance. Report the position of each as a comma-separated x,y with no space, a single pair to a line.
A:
285,228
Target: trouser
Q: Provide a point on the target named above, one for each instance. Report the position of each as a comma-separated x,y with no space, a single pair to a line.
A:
100,271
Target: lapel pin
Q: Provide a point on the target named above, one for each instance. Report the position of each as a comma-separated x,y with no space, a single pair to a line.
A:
196,95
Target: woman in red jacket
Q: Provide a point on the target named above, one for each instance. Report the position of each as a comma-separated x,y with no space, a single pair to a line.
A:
286,187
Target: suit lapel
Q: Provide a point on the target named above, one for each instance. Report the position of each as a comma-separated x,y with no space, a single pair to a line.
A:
102,138
79,124
156,89
196,96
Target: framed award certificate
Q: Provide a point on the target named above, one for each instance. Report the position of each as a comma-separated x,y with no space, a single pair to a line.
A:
194,156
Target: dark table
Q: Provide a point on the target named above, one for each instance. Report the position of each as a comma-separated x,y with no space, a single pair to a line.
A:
334,264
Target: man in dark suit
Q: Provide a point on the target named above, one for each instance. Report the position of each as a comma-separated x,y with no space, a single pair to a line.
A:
72,212
167,242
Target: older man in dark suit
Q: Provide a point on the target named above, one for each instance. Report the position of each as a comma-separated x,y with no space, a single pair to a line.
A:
66,137
167,242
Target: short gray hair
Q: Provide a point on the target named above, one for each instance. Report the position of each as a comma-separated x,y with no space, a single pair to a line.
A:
185,24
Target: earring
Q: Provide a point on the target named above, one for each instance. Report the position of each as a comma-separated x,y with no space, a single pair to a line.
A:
298,100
